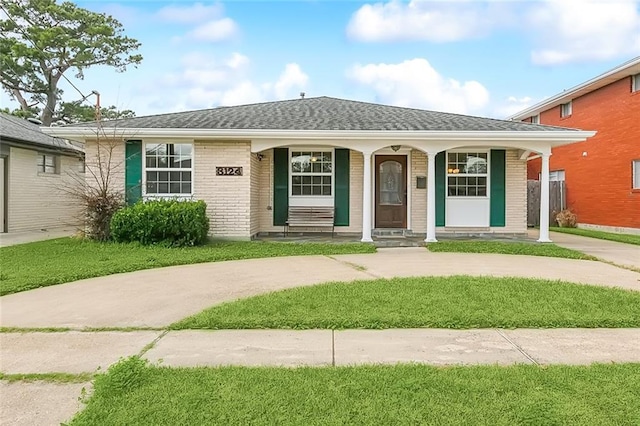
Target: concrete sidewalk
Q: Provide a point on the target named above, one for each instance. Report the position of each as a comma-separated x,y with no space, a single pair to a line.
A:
627,255
78,352
159,297
14,238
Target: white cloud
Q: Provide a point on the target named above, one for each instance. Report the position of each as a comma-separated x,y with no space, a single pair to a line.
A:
580,30
512,105
415,83
213,31
292,77
420,20
205,81
190,14
208,23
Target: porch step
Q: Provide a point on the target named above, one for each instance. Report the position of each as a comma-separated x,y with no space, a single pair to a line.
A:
386,242
390,232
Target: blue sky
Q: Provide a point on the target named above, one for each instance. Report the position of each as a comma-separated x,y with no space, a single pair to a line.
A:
490,58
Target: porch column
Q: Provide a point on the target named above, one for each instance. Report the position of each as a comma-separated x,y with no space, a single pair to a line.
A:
431,198
544,200
366,199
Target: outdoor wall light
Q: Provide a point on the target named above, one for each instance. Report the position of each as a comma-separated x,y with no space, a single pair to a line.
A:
260,156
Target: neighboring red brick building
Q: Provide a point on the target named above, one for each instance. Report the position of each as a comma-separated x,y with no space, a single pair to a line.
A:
602,174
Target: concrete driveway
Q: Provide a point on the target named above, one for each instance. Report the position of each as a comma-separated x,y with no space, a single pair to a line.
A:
159,297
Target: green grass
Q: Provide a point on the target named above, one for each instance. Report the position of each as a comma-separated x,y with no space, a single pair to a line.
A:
45,263
611,236
502,247
436,302
367,395
48,377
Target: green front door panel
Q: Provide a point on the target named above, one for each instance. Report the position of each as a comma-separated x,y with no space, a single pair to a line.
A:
441,175
498,192
342,187
280,186
133,171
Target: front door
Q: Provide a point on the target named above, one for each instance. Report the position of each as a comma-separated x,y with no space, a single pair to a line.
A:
391,191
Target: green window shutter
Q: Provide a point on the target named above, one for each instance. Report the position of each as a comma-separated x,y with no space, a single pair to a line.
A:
133,171
498,187
441,175
280,186
342,187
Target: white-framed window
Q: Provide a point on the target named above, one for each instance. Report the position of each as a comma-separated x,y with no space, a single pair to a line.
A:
311,173
168,169
467,174
635,164
47,163
535,119
566,109
556,176
635,83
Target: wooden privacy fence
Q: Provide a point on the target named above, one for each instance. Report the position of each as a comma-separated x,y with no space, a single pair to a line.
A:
557,201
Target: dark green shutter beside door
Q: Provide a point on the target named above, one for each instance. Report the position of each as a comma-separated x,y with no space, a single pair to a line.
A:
280,186
441,175
133,171
498,188
342,187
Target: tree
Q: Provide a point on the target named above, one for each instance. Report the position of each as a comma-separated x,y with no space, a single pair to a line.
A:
41,40
76,112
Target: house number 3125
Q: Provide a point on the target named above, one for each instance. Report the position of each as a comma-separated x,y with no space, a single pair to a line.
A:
228,171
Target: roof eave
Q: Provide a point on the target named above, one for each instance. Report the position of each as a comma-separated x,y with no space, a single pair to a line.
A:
627,69
248,134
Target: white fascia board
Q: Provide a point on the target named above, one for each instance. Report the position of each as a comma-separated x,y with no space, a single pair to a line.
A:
560,136
630,67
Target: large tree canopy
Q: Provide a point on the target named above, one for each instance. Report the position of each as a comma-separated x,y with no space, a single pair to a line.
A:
42,39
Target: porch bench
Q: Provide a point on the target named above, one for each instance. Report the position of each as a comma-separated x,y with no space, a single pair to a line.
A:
315,216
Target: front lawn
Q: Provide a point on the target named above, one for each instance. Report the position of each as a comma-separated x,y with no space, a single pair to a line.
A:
45,263
611,236
366,395
503,247
435,302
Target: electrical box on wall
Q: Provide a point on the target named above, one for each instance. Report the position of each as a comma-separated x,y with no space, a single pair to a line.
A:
421,182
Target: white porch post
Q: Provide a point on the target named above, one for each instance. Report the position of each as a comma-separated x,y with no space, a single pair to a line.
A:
366,199
544,200
431,198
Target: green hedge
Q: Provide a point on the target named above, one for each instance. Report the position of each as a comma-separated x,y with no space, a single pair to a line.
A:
170,222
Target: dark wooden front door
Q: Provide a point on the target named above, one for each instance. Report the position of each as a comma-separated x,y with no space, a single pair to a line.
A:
391,191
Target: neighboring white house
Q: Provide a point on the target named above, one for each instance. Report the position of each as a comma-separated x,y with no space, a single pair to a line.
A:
379,166
33,167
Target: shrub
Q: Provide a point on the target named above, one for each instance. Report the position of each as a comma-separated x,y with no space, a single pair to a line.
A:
171,222
567,219
99,209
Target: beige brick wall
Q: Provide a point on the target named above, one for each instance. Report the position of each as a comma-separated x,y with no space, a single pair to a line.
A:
516,177
356,175
265,197
228,198
255,194
111,154
418,196
40,200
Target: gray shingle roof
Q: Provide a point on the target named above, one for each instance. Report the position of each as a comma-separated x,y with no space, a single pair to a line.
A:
19,130
323,113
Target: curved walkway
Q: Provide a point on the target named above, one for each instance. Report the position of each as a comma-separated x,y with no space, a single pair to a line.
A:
159,297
